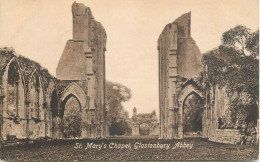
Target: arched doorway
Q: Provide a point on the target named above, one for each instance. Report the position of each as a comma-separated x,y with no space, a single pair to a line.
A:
71,117
192,115
186,95
144,129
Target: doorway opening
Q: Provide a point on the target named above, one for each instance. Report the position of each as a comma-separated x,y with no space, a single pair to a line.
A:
192,116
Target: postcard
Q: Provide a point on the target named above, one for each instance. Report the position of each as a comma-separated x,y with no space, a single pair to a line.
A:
113,80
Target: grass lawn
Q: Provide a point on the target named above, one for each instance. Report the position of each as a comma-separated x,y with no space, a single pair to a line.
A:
130,148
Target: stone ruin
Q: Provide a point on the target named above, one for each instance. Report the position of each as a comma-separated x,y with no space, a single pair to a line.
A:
144,123
179,68
34,104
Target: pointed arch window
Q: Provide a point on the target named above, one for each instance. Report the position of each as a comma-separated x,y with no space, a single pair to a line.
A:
13,88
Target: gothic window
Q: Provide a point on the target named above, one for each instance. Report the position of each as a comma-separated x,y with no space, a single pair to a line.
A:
13,89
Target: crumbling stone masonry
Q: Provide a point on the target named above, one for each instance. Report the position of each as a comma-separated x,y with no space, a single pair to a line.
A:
148,121
33,103
24,107
179,63
179,69
83,59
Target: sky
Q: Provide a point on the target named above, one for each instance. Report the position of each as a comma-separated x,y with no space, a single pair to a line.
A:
39,30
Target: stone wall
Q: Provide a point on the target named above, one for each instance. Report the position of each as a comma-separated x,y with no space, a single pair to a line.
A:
179,69
226,136
32,102
72,62
23,110
179,61
145,120
84,59
189,58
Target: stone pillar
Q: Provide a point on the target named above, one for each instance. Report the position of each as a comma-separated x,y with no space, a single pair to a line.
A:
27,103
1,113
56,132
135,130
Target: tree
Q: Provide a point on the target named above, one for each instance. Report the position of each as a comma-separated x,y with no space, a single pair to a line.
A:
253,44
193,114
235,66
72,125
237,38
71,122
118,117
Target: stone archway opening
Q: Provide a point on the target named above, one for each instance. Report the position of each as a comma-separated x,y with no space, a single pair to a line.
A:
144,129
71,117
193,115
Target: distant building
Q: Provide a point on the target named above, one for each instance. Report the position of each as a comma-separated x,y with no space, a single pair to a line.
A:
144,123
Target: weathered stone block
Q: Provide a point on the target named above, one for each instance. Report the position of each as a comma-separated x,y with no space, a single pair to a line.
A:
72,62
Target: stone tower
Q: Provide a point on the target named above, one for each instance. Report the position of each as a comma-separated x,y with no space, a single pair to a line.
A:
179,60
134,111
83,59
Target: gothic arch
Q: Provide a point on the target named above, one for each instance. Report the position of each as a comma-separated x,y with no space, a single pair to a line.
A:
13,76
14,60
190,87
71,117
63,103
192,93
14,99
74,90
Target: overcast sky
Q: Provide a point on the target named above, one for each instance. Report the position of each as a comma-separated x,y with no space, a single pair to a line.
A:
39,29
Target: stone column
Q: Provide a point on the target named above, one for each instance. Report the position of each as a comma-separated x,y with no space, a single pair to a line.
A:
135,130
1,113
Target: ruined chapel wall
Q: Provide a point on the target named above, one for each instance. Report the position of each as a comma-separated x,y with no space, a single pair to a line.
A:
83,62
23,125
189,58
72,62
9,105
179,59
90,65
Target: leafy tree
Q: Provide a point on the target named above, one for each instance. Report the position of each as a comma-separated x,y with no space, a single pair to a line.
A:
118,118
71,122
72,125
253,44
237,38
235,66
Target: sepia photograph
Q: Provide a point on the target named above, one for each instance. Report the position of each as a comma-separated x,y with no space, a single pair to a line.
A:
129,80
